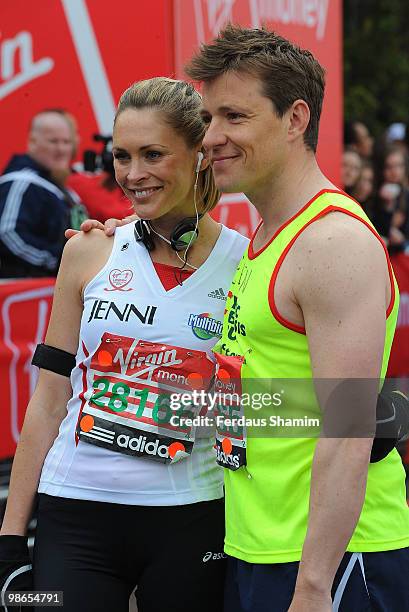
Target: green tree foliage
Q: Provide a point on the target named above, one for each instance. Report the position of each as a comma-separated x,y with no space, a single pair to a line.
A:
376,62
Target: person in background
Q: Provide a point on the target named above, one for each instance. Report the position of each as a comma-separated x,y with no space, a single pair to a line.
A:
350,170
358,138
100,192
35,206
397,135
363,192
391,208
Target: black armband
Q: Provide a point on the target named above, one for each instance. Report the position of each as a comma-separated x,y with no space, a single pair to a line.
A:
392,423
53,359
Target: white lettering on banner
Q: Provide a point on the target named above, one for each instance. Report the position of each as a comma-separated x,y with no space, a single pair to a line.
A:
29,70
308,13
311,14
16,348
42,320
229,200
90,60
219,13
403,316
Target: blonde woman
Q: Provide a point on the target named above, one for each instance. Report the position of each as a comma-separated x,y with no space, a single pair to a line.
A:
124,501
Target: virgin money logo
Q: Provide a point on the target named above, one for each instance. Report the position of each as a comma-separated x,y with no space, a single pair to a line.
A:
210,16
119,279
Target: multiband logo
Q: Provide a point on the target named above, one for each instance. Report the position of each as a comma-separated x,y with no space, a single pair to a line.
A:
204,326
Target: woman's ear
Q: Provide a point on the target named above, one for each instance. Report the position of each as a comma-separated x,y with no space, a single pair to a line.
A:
205,164
202,162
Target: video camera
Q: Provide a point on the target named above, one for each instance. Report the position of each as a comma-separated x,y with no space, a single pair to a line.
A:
95,161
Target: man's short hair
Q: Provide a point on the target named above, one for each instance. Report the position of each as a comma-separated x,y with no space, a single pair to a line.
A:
286,71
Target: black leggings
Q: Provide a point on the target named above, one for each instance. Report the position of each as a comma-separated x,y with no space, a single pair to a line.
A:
98,553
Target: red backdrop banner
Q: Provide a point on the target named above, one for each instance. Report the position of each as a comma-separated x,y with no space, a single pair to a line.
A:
81,54
399,359
315,25
25,309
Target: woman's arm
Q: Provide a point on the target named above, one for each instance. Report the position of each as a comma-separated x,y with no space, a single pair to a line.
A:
47,407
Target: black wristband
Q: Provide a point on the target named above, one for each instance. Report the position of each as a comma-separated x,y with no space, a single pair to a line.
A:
13,547
53,359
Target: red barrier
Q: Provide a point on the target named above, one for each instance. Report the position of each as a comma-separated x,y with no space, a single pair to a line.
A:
25,310
399,359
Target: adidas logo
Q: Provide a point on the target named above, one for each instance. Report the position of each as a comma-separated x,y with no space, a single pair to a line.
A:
218,294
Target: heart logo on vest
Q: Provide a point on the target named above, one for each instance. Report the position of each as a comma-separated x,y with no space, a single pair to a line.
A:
119,279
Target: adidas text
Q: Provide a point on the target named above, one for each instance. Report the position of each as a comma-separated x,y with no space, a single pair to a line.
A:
140,445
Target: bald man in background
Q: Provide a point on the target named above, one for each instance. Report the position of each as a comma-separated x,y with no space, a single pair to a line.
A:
35,207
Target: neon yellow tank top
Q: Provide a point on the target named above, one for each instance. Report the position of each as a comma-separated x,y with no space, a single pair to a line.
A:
267,501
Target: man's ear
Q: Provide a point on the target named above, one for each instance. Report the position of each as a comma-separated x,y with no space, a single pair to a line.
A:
299,118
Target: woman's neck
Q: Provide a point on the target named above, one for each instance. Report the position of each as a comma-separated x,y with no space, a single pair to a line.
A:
198,252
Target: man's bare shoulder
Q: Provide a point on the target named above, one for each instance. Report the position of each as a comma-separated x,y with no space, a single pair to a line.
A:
338,252
338,237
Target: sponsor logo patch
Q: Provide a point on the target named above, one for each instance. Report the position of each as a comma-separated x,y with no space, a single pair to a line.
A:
218,294
119,279
204,326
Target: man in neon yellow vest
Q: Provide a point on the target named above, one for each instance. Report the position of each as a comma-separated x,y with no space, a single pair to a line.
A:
309,527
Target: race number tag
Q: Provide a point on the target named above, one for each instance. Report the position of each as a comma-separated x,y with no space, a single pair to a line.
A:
128,408
230,423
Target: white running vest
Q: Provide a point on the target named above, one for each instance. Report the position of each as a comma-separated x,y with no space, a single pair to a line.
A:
130,321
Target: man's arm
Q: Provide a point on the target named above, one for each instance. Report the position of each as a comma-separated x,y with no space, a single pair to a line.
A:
342,288
21,211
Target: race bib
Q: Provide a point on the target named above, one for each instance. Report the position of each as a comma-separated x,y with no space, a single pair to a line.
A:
128,409
229,414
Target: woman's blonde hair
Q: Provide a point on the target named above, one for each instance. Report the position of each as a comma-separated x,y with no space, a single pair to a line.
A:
179,103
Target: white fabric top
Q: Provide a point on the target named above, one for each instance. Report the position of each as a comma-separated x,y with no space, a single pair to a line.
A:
127,299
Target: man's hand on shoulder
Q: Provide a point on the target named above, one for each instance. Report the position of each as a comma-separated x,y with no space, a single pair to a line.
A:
108,227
